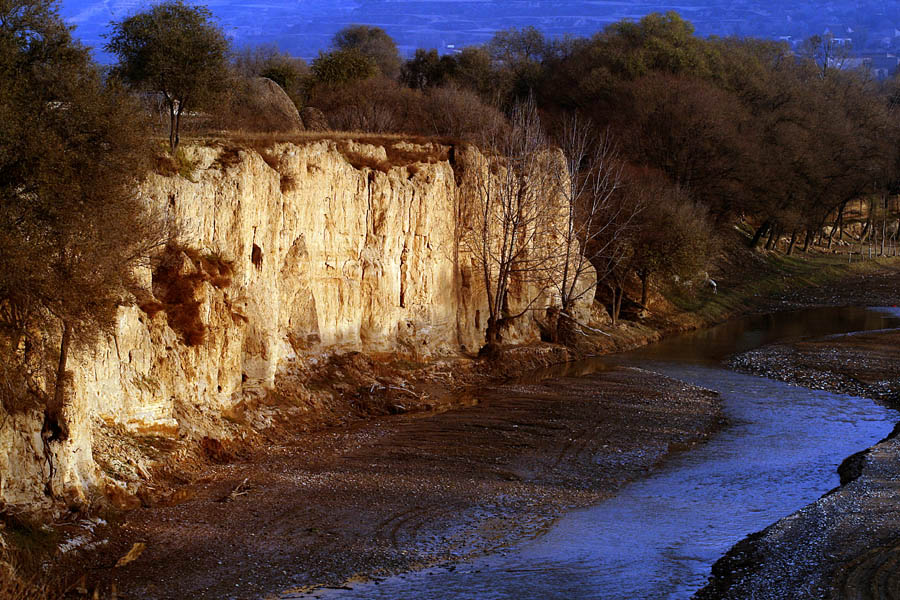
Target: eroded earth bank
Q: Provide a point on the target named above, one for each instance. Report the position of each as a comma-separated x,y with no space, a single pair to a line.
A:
295,399
223,431
410,491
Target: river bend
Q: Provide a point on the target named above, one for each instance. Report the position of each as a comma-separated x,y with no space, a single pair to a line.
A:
660,535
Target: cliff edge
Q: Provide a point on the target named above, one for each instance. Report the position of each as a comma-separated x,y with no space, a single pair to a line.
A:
286,257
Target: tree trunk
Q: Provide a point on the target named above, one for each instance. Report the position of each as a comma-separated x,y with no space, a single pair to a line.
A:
613,313
793,241
645,279
773,235
838,223
60,387
173,137
760,232
492,338
54,427
618,294
619,303
809,235
177,125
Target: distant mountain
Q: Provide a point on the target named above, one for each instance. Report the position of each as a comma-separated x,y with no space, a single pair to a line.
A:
303,27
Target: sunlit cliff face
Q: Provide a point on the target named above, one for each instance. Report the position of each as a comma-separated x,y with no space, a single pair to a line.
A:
325,257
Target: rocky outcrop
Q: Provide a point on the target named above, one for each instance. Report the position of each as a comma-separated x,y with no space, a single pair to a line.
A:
273,100
325,255
261,105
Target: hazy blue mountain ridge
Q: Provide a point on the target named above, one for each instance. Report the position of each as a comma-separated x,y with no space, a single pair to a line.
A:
304,27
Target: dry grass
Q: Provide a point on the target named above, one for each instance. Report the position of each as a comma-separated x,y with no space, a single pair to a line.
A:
165,165
229,157
433,150
168,165
361,161
397,156
24,546
255,140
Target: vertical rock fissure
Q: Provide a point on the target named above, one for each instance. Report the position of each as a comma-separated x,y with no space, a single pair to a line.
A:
403,269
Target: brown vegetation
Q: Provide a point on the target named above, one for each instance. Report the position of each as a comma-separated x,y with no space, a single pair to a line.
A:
24,546
256,104
379,105
178,274
398,154
175,50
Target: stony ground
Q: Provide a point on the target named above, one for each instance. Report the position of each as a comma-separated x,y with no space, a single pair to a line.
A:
862,364
404,491
847,544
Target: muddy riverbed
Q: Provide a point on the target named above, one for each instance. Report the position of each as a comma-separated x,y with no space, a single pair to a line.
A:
659,536
404,492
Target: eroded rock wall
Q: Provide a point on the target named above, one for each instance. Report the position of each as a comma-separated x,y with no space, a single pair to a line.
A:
328,257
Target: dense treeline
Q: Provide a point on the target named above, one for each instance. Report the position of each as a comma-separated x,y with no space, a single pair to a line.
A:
708,129
684,132
743,126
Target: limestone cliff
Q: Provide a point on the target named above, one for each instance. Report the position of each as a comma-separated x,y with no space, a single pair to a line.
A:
334,245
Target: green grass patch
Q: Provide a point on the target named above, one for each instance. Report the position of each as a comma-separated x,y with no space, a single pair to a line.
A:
778,275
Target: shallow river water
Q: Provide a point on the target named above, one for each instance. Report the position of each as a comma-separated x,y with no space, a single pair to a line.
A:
660,535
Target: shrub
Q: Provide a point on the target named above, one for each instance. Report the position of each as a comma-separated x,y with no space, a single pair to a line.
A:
461,114
177,276
257,104
376,105
343,66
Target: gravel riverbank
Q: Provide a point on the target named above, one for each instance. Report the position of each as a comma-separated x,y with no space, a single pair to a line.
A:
847,544
406,491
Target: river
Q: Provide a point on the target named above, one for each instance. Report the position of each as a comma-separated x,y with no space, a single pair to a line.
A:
660,535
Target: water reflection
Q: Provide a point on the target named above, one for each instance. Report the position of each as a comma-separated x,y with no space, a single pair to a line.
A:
660,535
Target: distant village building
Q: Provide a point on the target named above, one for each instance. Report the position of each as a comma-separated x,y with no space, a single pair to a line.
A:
882,66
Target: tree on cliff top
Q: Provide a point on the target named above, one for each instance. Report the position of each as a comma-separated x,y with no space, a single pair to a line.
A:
372,42
343,66
72,228
176,50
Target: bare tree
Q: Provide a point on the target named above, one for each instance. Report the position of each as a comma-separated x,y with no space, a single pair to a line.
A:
826,51
587,186
610,243
516,203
